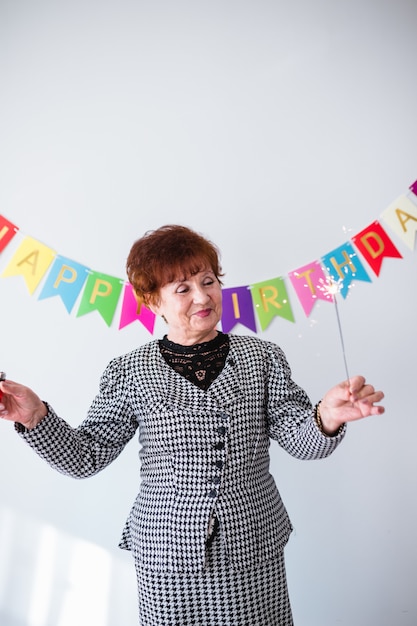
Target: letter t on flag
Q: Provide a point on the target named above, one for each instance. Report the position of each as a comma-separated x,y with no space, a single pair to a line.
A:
310,284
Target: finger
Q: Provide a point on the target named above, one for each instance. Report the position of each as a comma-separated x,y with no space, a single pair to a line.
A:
377,410
370,395
12,388
368,406
3,411
355,384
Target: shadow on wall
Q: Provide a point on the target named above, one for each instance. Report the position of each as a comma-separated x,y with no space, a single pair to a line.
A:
48,578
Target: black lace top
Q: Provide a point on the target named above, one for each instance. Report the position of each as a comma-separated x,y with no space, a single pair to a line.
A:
200,363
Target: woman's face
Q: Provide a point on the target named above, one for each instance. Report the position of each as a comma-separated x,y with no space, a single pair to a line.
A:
192,307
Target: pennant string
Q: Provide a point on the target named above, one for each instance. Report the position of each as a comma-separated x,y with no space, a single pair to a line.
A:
269,298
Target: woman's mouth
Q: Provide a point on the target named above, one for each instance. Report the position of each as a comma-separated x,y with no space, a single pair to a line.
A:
203,313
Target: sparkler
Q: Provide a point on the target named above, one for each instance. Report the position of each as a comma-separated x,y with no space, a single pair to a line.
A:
332,288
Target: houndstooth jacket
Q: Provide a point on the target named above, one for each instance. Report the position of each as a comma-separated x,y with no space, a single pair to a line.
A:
200,451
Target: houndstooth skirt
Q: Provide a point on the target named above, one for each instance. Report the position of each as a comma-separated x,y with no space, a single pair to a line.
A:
217,596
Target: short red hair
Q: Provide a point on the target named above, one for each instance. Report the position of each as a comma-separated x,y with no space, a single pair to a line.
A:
169,253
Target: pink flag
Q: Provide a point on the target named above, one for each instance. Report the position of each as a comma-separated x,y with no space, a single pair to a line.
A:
310,283
130,313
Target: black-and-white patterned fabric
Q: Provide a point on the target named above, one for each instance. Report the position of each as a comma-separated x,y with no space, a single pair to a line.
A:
202,452
216,596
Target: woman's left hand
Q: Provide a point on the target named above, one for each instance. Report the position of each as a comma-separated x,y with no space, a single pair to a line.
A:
350,400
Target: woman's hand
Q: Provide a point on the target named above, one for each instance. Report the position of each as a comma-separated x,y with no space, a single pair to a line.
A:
20,404
349,401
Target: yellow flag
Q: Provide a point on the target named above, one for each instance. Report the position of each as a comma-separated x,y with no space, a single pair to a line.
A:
31,260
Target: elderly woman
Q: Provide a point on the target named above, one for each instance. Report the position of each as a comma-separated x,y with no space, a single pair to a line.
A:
208,528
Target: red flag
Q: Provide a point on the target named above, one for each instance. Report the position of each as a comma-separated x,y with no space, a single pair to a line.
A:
374,244
7,232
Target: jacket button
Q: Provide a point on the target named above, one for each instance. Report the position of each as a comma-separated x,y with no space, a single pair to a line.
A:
219,464
212,493
217,480
221,430
219,445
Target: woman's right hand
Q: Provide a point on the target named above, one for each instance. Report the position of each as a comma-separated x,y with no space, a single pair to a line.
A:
21,404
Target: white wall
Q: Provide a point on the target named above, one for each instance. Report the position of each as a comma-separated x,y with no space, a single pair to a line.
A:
279,130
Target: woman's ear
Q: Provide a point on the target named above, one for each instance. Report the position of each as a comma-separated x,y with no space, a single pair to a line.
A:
153,304
156,308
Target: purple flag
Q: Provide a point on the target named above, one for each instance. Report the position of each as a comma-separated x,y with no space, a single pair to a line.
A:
237,309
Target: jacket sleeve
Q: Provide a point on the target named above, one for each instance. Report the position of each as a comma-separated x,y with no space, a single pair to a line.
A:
84,451
291,414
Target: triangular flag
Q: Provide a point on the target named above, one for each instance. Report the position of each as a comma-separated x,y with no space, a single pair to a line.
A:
101,293
374,245
343,266
66,279
31,260
130,312
7,232
401,216
310,283
271,300
237,309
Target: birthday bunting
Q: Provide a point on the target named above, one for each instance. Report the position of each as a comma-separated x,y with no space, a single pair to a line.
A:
249,305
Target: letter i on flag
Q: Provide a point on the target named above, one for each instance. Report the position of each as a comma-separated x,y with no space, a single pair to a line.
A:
132,311
237,309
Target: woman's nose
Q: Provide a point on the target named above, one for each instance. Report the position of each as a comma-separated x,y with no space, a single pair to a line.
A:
200,295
